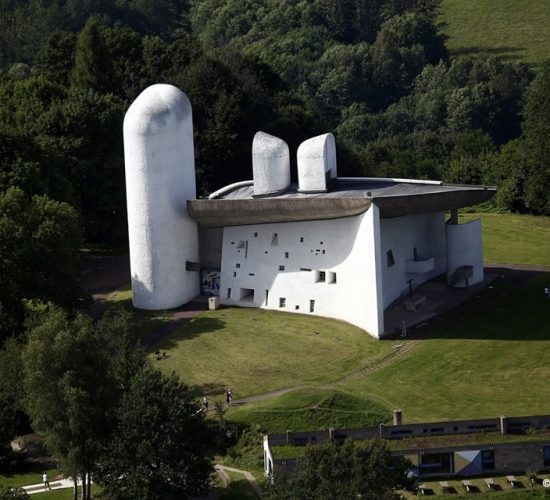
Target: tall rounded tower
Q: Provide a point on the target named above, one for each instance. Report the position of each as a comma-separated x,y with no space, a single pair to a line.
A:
160,178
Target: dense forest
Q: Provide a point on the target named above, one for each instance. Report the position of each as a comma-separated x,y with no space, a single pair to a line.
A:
375,72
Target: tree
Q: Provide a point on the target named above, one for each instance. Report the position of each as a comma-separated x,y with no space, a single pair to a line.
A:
38,242
56,57
70,390
158,443
7,493
349,470
92,66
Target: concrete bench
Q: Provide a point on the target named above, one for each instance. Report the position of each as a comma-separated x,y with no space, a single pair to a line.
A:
445,488
415,302
468,485
490,482
512,480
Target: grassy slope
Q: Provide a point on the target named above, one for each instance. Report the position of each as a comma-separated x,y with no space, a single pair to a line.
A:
311,409
518,30
255,351
487,359
518,239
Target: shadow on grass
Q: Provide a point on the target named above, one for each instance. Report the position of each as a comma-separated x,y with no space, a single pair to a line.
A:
514,309
162,338
506,53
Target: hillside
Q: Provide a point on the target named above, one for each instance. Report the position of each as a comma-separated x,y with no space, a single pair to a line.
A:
518,30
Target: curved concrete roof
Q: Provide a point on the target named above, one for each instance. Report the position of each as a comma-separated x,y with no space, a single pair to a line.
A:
347,197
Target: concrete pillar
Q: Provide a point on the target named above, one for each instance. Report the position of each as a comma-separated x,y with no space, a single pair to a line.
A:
503,426
288,437
397,417
382,431
331,433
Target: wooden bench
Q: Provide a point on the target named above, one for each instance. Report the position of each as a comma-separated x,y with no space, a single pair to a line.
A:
490,482
415,302
468,485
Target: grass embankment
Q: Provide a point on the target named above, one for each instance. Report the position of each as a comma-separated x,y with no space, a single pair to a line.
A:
514,239
511,29
312,408
256,351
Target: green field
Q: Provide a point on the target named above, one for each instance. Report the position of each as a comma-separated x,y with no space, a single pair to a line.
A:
255,351
517,239
517,30
32,474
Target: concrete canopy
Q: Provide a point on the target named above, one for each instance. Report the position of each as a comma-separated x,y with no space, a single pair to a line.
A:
347,197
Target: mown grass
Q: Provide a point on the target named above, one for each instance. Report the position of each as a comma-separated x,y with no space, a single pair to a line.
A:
256,351
517,30
30,474
486,359
311,409
514,239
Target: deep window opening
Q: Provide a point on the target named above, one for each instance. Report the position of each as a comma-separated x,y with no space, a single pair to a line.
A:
246,294
390,261
282,302
311,306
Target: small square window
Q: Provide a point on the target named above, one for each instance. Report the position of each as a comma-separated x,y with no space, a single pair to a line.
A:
286,255
234,274
282,302
331,277
255,235
311,306
229,293
301,239
320,276
297,308
281,268
237,265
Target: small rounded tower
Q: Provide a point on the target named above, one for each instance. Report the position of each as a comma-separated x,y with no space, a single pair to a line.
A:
160,178
270,165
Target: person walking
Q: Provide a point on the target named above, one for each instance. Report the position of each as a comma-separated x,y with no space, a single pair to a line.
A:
229,397
46,481
205,403
403,329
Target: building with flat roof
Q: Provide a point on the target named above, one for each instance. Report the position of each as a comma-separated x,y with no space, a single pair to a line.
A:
344,248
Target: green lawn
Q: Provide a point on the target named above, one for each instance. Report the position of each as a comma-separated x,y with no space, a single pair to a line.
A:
517,239
31,474
311,409
518,30
486,359
255,351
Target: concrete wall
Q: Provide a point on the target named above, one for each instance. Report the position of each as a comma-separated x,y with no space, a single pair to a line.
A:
464,248
160,178
262,264
401,235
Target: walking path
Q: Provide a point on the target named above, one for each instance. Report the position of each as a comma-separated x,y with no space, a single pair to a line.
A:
54,485
221,470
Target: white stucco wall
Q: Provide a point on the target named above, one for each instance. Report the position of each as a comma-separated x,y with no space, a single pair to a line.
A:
464,248
426,233
160,177
341,248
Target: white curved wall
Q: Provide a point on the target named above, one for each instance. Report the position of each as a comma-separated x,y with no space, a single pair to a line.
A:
316,163
278,261
464,248
160,178
270,164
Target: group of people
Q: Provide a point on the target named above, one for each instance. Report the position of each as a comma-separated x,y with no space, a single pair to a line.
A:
228,399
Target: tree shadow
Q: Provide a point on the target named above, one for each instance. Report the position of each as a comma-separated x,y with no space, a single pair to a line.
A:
187,328
505,53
